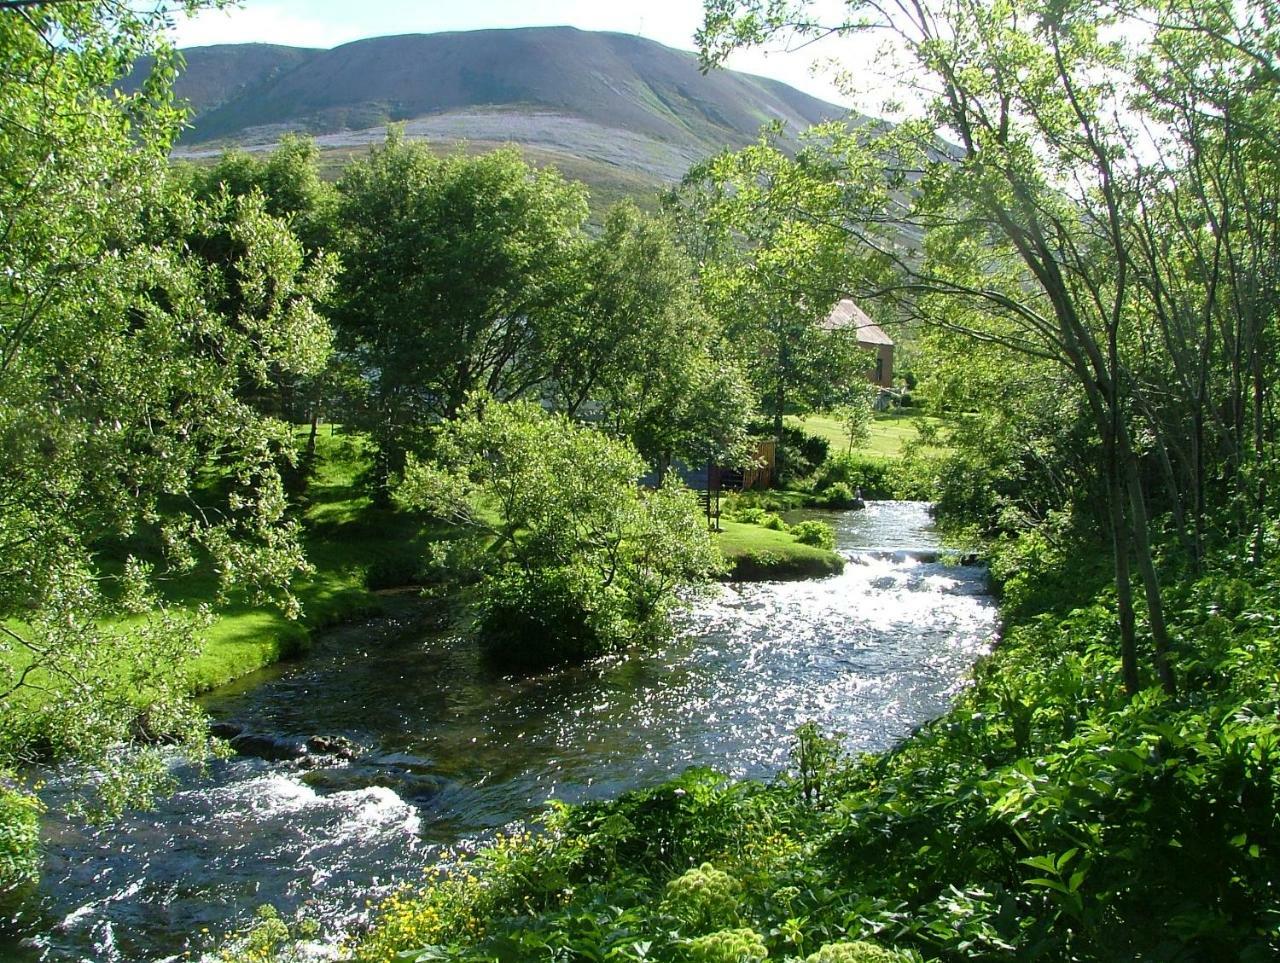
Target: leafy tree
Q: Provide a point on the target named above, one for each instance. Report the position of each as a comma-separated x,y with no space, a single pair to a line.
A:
858,414
454,269
640,355
770,279
288,178
1050,233
580,561
126,453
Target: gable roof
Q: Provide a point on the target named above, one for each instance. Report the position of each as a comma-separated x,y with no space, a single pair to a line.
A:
846,315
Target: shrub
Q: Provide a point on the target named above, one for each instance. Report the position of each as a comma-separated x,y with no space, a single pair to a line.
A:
838,495
536,618
394,571
858,951
744,513
815,533
19,835
876,476
729,946
703,897
582,560
772,521
799,455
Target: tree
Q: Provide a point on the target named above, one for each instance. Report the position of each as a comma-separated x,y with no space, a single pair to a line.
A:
288,178
1029,234
857,414
453,271
770,279
126,454
579,560
640,355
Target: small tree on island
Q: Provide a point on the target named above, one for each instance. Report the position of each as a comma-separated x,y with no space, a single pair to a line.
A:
576,560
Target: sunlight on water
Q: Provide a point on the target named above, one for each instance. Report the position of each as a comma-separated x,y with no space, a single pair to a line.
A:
442,749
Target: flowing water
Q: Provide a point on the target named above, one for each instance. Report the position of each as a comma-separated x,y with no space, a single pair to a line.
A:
415,744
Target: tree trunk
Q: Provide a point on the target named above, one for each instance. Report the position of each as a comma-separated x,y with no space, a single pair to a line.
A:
1147,568
1124,589
315,427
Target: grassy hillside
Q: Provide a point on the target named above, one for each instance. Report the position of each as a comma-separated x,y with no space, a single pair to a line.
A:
890,432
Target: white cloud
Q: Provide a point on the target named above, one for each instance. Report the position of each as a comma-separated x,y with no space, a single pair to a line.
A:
256,23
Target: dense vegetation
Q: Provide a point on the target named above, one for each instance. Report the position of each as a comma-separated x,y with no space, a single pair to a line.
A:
174,338
1082,217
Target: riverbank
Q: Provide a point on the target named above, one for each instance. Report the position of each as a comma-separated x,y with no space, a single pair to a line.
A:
1046,815
756,554
388,741
358,549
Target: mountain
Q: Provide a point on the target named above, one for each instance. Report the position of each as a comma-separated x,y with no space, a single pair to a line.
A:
613,105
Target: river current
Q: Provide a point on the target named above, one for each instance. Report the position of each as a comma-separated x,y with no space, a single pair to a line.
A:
415,744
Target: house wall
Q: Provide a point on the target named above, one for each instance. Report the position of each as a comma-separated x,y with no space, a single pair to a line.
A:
885,356
881,370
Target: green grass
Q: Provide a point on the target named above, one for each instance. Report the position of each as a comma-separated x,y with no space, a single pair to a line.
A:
755,553
890,432
345,535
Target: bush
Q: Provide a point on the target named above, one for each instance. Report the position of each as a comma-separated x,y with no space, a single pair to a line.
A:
876,476
581,560
532,619
815,533
19,835
858,951
749,514
394,571
703,897
729,946
838,495
772,521
798,456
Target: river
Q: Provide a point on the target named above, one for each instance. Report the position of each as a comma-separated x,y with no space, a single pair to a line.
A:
423,746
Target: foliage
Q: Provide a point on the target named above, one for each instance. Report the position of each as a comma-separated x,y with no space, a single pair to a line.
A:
769,278
457,274
640,356
741,945
875,477
288,179
857,951
839,495
270,939
583,560
857,416
128,457
813,532
19,835
798,454
703,898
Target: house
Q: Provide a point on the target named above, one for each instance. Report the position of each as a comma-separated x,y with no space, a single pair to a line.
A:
847,316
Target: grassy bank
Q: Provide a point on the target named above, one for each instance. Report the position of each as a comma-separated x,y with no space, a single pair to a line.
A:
891,431
356,547
755,553
1047,816
353,546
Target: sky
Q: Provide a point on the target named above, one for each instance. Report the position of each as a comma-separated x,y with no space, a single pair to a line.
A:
328,23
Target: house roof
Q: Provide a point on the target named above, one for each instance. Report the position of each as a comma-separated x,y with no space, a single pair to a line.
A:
846,315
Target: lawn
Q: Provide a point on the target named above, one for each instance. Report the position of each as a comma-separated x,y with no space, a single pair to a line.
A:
755,553
890,431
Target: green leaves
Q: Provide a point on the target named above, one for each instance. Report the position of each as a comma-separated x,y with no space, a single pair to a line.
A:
582,561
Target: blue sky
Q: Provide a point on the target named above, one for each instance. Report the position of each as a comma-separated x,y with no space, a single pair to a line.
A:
327,23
